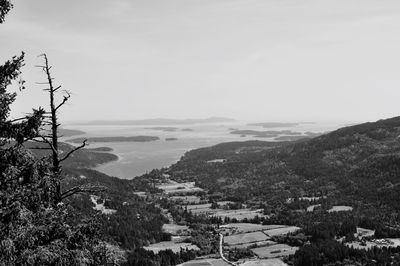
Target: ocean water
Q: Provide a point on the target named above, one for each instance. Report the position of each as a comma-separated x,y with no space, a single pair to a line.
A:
137,158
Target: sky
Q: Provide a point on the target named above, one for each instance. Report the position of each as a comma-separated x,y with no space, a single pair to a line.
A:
267,60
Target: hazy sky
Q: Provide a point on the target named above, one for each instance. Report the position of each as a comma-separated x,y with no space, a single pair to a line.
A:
248,59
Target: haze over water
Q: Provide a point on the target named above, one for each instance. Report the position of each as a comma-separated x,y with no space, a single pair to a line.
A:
137,158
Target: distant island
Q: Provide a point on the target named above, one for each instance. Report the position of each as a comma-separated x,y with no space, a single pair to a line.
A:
187,129
159,121
116,139
170,139
274,124
100,149
265,134
166,129
70,132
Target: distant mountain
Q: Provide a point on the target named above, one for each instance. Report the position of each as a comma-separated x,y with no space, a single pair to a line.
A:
159,121
274,124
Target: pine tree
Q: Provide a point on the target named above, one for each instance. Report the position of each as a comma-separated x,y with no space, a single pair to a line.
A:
34,228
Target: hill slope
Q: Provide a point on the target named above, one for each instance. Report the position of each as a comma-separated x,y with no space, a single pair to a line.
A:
357,163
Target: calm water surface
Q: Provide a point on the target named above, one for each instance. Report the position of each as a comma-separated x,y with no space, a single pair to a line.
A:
136,158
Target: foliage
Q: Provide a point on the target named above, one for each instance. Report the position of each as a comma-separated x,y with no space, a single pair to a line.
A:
5,7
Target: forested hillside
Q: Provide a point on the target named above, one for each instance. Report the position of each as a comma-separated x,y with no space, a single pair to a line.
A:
299,182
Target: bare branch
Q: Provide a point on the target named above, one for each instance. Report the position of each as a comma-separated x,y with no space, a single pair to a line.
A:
50,144
18,119
82,189
73,150
66,97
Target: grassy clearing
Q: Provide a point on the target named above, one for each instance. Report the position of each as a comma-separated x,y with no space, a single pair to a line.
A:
282,231
245,238
205,262
206,208
267,262
274,251
172,187
175,247
393,242
186,199
362,232
254,245
247,227
340,208
175,229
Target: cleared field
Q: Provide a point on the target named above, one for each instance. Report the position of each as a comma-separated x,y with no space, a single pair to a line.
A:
217,161
248,227
340,208
205,262
362,232
254,245
175,247
173,187
206,208
279,250
141,194
245,238
238,214
392,242
186,199
100,206
309,198
267,262
312,207
396,241
175,229
282,231
289,200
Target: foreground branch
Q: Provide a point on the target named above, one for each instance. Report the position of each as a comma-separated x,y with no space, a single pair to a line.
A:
73,150
82,189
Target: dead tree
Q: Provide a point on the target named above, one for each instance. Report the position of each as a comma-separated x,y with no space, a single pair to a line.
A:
52,139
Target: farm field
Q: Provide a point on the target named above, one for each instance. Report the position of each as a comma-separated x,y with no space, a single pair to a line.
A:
245,238
370,244
275,251
267,262
205,262
172,187
254,245
281,231
340,208
238,214
175,229
175,247
205,208
362,232
248,227
186,199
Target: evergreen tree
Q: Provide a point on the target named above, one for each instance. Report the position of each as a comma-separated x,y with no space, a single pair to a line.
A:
34,228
